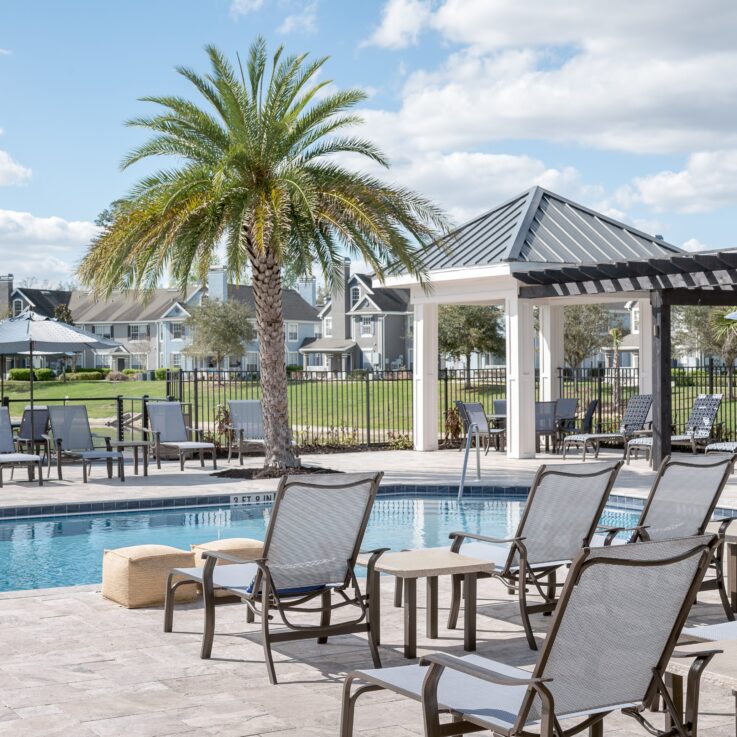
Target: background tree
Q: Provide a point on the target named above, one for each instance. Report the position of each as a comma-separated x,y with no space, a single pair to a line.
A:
724,332
258,168
63,314
585,332
467,329
692,332
219,329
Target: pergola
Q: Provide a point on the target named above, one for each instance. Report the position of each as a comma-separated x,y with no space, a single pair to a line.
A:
541,249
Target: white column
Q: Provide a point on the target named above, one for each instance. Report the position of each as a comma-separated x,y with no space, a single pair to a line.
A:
645,357
520,378
551,350
425,404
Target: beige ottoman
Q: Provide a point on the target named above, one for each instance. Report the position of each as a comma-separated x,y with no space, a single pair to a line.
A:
240,547
136,576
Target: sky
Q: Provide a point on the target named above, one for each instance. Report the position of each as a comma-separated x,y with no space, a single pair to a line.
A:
627,107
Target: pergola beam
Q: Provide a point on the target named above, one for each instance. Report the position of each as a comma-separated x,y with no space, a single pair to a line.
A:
662,403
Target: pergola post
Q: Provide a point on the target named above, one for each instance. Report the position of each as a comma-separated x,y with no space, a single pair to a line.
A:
425,388
645,345
661,348
520,377
551,350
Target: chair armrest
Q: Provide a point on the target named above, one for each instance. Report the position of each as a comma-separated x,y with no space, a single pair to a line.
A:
478,671
230,558
104,438
696,653
613,531
375,555
197,433
724,523
148,431
482,538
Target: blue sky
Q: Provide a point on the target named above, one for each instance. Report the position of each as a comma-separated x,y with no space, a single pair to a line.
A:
631,110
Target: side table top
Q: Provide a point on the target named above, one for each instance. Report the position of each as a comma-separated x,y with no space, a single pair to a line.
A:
428,562
721,671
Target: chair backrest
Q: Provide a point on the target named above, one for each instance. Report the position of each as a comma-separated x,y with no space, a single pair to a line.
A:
563,509
684,495
500,406
616,624
475,415
70,424
703,415
545,417
565,408
635,413
316,528
588,419
37,429
6,432
247,415
167,419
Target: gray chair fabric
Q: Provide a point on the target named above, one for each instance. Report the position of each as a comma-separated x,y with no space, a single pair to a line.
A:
608,647
9,456
33,426
166,420
247,417
472,413
499,406
724,447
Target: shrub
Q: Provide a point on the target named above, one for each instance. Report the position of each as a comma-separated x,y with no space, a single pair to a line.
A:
131,372
116,376
85,376
358,374
293,367
24,374
44,374
160,374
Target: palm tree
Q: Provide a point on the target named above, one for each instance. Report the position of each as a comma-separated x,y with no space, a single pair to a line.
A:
256,170
724,336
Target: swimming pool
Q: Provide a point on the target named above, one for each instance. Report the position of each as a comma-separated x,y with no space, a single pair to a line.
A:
44,552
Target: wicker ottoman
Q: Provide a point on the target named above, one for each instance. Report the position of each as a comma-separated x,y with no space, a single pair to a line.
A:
241,547
136,576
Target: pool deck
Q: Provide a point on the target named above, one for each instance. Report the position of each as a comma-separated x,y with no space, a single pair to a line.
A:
440,468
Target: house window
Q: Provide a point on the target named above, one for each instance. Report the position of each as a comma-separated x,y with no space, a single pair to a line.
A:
410,326
177,330
328,327
102,361
636,320
137,332
176,360
138,361
104,331
292,331
17,307
355,296
314,359
367,326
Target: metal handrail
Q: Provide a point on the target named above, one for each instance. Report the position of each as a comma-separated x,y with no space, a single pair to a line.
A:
472,427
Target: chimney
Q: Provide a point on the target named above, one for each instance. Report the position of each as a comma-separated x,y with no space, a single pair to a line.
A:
307,289
6,289
217,284
340,304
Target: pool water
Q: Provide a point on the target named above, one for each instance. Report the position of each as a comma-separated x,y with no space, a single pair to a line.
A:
44,552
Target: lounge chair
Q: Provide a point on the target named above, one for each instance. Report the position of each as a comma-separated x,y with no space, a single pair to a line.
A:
681,503
633,421
474,420
167,428
697,431
721,447
9,455
499,406
72,438
246,426
315,531
546,423
610,641
561,516
32,435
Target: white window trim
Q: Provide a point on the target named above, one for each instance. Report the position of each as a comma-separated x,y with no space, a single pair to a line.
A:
328,326
367,321
292,326
17,301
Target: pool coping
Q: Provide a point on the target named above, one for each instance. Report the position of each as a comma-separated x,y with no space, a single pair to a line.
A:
476,491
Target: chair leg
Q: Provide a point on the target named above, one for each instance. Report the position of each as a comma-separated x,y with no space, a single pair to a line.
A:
202,458
29,468
40,473
324,615
121,469
265,632
398,588
58,466
455,601
209,634
214,459
551,590
721,587
1,477
181,460
84,471
168,605
109,463
522,595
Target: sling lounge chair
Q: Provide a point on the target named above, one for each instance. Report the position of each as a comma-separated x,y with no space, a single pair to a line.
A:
681,503
316,527
246,426
71,437
32,434
9,455
697,431
546,424
609,644
561,516
166,420
475,421
633,421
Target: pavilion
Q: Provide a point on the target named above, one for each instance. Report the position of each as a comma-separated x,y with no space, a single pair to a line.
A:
541,249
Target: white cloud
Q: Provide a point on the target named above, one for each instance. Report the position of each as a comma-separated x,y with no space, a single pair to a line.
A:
243,7
11,172
694,245
304,22
43,247
708,182
5,52
401,23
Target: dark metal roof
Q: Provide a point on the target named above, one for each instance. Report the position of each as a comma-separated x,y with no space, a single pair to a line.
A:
123,306
44,301
539,226
295,307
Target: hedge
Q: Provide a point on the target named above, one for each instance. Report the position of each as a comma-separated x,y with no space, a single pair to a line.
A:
85,376
131,372
160,373
24,374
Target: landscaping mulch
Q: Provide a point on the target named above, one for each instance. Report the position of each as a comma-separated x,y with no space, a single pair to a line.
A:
270,473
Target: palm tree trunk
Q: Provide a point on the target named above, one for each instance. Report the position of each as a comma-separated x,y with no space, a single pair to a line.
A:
267,292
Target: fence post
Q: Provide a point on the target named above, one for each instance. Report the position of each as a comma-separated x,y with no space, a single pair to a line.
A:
368,409
119,409
6,401
445,395
560,382
196,402
600,393
181,386
167,389
144,414
711,375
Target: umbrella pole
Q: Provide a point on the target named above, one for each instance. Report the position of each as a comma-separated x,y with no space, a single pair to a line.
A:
30,353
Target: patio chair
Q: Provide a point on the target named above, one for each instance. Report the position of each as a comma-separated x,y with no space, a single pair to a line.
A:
167,428
565,412
499,406
9,455
313,539
246,426
633,421
561,516
546,424
72,438
697,431
472,414
681,503
608,648
32,435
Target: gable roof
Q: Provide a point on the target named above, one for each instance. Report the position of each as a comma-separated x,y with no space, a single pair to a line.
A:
539,226
43,301
295,308
123,306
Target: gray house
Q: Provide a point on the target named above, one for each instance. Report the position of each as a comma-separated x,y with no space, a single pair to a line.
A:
363,327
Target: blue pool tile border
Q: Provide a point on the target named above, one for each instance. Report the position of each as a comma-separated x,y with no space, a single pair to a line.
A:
472,491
